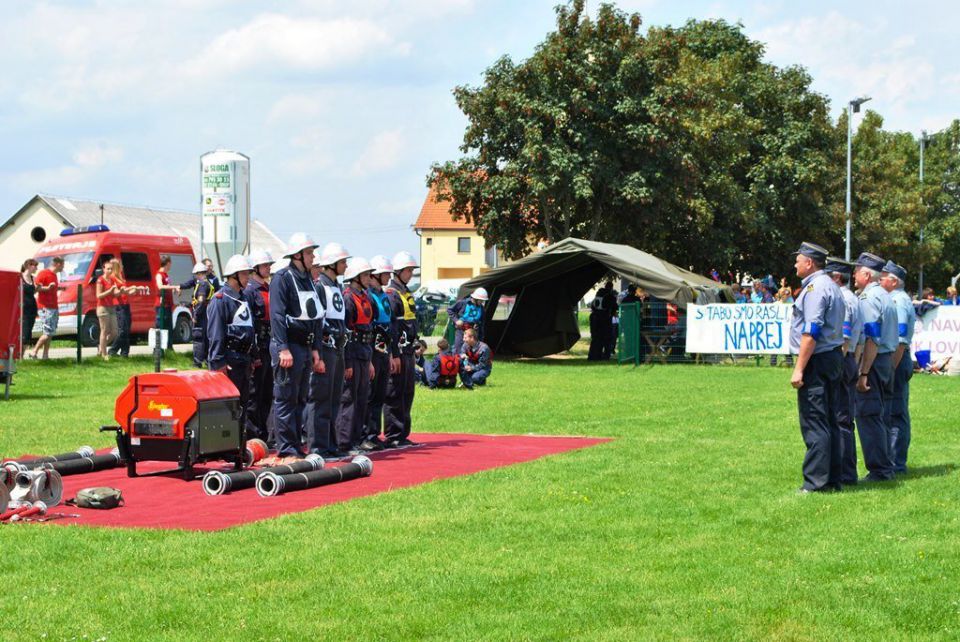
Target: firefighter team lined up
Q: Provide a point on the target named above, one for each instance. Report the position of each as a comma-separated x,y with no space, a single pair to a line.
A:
321,367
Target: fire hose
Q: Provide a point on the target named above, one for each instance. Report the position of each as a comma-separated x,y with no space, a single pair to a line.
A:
270,484
4,494
255,451
86,464
14,466
14,508
218,483
38,485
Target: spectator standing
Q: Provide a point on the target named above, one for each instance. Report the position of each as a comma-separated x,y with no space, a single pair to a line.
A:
951,297
121,345
47,283
602,310
27,270
164,301
107,290
784,296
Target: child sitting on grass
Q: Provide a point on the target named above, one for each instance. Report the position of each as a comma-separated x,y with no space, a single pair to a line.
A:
443,370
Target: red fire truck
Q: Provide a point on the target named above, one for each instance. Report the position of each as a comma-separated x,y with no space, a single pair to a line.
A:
85,250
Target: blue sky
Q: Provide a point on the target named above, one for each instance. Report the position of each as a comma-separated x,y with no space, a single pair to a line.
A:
344,106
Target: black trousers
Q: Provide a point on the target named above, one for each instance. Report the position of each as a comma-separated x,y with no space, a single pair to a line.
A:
290,398
324,402
871,419
260,398
29,318
353,403
846,408
378,394
600,330
238,371
121,344
817,402
898,417
399,401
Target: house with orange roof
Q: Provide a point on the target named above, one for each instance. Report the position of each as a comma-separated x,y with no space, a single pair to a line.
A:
450,249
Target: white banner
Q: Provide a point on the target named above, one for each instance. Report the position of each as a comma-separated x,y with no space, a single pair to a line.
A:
939,332
739,328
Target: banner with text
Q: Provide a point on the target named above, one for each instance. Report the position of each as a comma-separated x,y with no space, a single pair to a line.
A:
939,332
736,328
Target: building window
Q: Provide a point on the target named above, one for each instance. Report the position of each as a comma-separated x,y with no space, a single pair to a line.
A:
429,240
38,234
490,256
463,245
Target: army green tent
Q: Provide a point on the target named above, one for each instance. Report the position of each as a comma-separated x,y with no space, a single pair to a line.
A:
545,288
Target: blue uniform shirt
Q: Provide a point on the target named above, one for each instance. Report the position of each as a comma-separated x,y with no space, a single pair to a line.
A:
295,309
879,318
479,357
852,323
230,332
819,311
906,316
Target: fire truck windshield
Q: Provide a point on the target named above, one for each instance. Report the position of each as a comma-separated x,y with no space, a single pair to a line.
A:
75,265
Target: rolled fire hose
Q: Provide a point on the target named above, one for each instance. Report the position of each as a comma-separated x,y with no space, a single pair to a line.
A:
15,508
218,483
39,486
14,466
86,464
270,484
38,508
256,450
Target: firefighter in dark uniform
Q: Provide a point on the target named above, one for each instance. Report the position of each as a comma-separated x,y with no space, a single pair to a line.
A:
402,385
261,376
840,272
875,376
602,310
386,354
467,313
230,332
816,336
358,371
327,387
296,326
203,290
898,409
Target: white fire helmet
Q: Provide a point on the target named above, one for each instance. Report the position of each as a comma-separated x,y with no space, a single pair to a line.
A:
200,268
403,260
261,257
237,263
298,243
356,266
331,254
480,294
381,265
279,265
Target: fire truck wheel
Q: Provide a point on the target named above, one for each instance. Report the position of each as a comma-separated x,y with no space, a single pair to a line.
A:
90,331
182,329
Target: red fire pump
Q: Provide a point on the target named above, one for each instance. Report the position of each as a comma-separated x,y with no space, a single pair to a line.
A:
186,417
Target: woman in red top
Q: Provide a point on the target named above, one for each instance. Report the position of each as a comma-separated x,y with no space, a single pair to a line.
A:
164,304
121,345
107,291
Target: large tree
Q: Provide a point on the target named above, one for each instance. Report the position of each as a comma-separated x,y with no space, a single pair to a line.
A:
682,142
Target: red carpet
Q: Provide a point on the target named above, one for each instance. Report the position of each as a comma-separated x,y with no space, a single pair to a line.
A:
170,502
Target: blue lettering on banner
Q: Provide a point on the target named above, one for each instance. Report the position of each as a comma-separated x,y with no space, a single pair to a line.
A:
753,336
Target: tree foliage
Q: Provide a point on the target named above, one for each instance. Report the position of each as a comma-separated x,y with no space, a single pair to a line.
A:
685,143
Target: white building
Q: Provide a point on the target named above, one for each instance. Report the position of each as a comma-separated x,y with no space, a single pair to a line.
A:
44,216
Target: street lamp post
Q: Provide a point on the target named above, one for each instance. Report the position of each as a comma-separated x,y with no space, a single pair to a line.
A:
923,143
853,107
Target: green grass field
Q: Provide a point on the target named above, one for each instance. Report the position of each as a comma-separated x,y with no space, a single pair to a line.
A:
687,526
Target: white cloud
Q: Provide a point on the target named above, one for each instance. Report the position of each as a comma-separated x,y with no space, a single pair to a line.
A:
383,152
272,40
87,161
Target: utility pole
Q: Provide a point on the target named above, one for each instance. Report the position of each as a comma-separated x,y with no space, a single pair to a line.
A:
853,107
923,143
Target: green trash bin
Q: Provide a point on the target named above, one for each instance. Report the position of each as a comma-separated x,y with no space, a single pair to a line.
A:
628,342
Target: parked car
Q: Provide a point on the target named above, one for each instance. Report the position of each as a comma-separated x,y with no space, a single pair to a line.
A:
85,250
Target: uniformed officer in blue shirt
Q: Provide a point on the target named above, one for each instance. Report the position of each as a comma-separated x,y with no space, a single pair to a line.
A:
296,325
898,410
816,336
231,338
841,271
875,374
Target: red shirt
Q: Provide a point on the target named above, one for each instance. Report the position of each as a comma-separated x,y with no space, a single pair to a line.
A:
122,298
47,299
164,297
105,284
